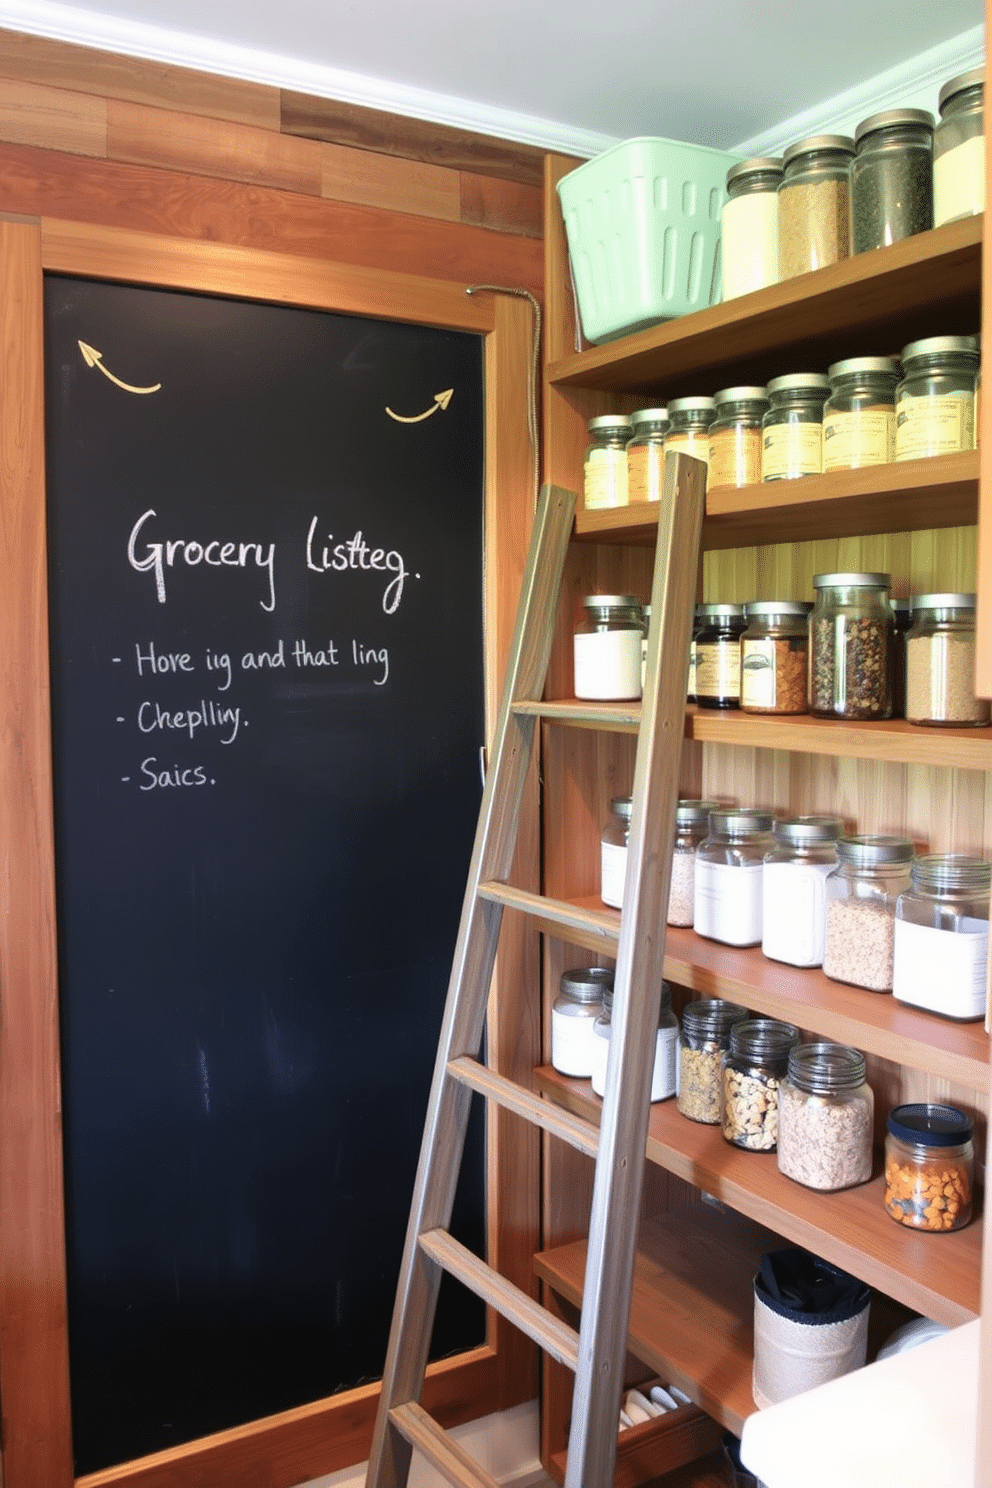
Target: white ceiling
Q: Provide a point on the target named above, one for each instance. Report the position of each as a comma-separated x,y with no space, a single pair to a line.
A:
558,73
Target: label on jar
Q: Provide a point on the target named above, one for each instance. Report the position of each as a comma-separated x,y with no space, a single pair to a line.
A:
718,669
935,426
605,478
789,451
735,457
608,664
794,902
728,902
572,1040
645,470
613,873
693,442
666,1060
758,680
959,181
852,440
941,970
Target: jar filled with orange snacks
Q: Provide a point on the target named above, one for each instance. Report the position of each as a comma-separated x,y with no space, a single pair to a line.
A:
929,1167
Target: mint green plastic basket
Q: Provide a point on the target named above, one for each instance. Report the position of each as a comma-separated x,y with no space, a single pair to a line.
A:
643,227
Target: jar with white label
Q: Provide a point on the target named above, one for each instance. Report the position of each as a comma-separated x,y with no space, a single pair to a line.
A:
959,148
604,471
749,226
794,888
735,437
573,1019
613,852
718,656
728,879
774,651
646,454
663,1076
942,936
935,401
754,1067
859,417
792,429
871,873
940,663
689,427
607,647
703,1040
826,1117
692,826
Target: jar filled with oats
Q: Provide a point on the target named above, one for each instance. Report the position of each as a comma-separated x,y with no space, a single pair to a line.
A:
825,1117
704,1038
735,437
774,656
753,1069
940,663
929,1166
859,936
859,417
850,646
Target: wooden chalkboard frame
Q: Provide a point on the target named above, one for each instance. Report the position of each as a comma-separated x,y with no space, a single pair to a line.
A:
34,1375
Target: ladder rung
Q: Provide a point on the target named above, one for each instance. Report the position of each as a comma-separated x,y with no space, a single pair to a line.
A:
598,929
582,1135
549,1333
439,1447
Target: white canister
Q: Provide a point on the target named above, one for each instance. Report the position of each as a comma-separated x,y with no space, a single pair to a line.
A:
794,888
613,852
749,227
728,876
573,1019
607,648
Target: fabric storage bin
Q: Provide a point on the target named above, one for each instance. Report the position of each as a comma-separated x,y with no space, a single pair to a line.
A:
810,1324
643,227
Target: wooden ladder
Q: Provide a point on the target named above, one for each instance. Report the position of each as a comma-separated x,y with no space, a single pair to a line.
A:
597,1352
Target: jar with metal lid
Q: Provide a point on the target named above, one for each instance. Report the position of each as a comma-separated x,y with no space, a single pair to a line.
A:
940,663
794,888
754,1066
735,437
859,936
892,178
646,454
942,936
774,650
689,427
692,826
850,650
814,204
792,429
607,647
826,1113
859,417
935,401
718,656
698,619
728,876
664,1071
902,620
749,226
613,852
929,1166
703,1040
646,623
604,469
573,1017
959,148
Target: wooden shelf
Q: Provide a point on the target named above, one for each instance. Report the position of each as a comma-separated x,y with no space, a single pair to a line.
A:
937,1275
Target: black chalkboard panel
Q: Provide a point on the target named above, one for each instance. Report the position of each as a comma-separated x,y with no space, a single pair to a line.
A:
265,538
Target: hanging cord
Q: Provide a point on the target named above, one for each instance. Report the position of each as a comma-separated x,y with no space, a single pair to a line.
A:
535,363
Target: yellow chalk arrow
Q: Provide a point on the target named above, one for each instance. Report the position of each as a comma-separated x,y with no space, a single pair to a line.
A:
94,358
441,400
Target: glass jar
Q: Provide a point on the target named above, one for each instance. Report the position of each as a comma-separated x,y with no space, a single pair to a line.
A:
859,417
735,437
604,471
902,619
697,625
749,226
940,662
646,454
718,656
754,1066
692,825
959,148
850,647
942,936
703,1041
862,891
794,888
728,876
825,1117
613,852
663,1075
573,1017
929,1166
891,178
774,651
935,401
607,647
646,624
814,204
792,429
689,427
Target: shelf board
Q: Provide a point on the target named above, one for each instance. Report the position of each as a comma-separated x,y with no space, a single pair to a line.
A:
871,303
937,1275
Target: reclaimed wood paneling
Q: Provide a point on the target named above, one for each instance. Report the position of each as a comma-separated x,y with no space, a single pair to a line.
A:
53,118
505,206
350,175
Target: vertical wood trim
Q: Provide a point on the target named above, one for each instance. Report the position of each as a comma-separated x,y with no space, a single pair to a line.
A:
983,649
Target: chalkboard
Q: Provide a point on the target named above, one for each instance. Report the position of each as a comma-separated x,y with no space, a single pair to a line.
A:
265,548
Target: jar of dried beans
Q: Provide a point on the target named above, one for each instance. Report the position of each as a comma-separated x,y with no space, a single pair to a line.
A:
735,437
753,1069
825,1117
692,825
935,401
859,417
871,873
792,429
814,204
941,948
794,888
774,656
703,1040
940,662
959,148
605,465
929,1166
646,454
850,651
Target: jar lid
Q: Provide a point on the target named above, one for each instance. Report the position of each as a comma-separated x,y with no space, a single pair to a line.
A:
622,806
974,77
689,405
925,1125
586,983
852,581
952,871
720,611
694,813
758,165
890,117
813,142
800,830
826,1067
612,602
649,416
741,395
866,850
712,1015
732,820
793,381
777,607
882,365
607,421
759,1037
942,602
940,345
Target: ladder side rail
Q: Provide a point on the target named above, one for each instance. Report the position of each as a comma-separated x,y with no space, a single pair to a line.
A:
639,972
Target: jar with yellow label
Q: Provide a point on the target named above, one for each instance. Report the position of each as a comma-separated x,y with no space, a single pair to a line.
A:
859,417
718,656
605,465
735,437
646,454
935,401
689,427
792,429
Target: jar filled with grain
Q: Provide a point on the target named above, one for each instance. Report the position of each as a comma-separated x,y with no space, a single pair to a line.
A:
735,437
792,429
692,825
902,620
929,1166
728,876
859,935
749,226
850,646
940,663
935,401
689,422
613,844
717,676
794,888
607,647
604,470
825,1117
940,958
959,148
774,656
646,454
892,178
703,1040
814,204
573,1018
859,417
754,1067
